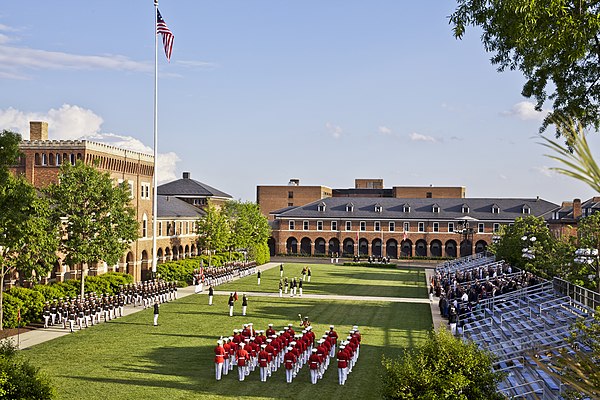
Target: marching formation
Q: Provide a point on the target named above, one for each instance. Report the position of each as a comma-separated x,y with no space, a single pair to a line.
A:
269,350
93,308
214,276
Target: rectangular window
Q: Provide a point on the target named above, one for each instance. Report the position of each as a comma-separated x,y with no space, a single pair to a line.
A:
436,226
377,226
421,226
392,226
145,228
480,227
363,226
406,226
131,189
305,225
348,225
451,227
496,227
159,233
292,225
290,195
290,204
334,225
319,225
187,227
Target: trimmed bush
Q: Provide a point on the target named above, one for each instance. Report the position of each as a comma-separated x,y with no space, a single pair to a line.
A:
32,303
19,379
10,306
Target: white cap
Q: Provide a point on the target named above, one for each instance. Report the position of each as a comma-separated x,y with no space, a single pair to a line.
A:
290,348
242,344
219,342
292,343
342,346
263,346
270,324
269,340
349,337
355,327
314,350
330,326
230,337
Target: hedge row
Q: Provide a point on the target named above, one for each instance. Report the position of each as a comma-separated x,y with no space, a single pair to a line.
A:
31,301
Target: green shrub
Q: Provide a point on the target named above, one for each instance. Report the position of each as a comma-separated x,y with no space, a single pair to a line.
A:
10,307
50,292
33,303
19,379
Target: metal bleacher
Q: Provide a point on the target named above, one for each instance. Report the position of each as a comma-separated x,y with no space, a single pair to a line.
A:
524,329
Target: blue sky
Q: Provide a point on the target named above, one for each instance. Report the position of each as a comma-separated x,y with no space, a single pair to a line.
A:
258,92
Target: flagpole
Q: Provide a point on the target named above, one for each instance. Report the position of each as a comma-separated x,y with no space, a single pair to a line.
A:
154,178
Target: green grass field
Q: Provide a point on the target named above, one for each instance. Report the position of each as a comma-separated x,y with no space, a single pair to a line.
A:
128,358
341,280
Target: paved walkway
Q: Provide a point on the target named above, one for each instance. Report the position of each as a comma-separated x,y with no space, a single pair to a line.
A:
37,336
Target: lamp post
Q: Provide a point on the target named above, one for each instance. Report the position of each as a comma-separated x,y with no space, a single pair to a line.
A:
467,235
590,257
528,251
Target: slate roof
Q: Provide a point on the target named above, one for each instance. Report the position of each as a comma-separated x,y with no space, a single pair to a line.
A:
190,187
172,207
422,208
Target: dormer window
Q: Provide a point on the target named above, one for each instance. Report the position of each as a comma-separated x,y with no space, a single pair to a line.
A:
465,209
495,209
435,208
378,208
526,209
321,207
406,208
349,207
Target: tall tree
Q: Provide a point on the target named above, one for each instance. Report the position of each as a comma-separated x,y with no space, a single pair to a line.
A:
511,245
28,239
96,217
213,230
554,43
28,236
588,236
443,367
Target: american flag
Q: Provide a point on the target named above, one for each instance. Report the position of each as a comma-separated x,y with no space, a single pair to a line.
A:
167,35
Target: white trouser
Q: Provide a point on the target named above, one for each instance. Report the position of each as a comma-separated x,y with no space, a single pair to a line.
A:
300,292
341,375
226,366
218,370
314,374
453,328
263,374
231,311
210,299
241,372
280,292
155,319
259,281
289,375
244,310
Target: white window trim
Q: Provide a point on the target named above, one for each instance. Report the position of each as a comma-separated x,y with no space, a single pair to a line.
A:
421,227
291,225
392,226
363,224
481,227
348,226
451,227
405,226
319,225
496,227
375,224
436,227
305,225
334,225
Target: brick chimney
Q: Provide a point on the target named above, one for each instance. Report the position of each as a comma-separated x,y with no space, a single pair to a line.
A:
186,175
576,208
38,130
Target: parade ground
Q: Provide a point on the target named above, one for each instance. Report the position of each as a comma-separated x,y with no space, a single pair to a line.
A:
129,358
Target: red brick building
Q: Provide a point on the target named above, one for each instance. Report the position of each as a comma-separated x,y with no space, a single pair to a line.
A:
394,227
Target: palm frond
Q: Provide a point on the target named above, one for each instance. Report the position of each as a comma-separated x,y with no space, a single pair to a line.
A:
576,156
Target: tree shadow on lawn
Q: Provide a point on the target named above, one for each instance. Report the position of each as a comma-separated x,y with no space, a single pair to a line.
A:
350,289
419,276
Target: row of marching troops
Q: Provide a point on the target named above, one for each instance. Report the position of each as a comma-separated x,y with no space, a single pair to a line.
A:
91,309
295,286
268,350
214,276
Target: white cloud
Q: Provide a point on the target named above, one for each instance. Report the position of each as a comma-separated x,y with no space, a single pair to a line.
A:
384,130
503,177
335,130
544,170
417,137
14,60
196,64
525,111
71,122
